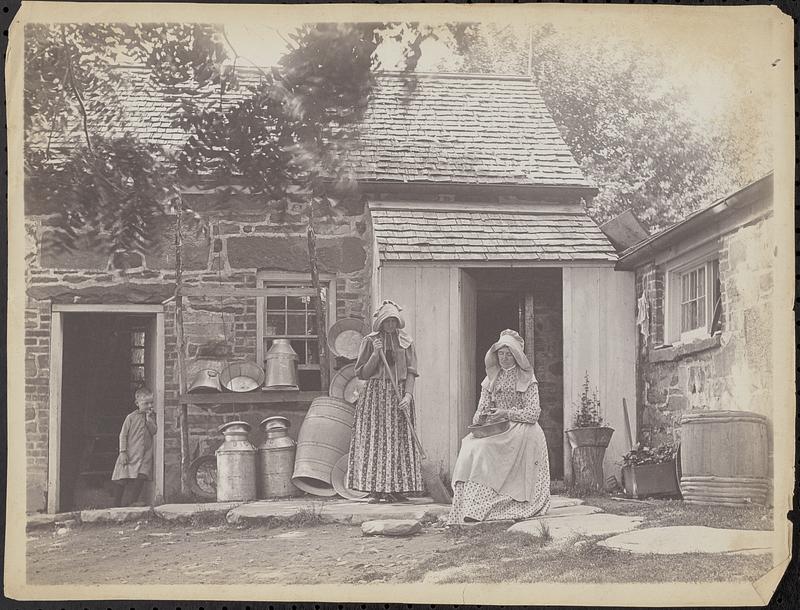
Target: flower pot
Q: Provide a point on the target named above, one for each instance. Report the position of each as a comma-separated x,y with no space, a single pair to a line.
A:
651,480
588,449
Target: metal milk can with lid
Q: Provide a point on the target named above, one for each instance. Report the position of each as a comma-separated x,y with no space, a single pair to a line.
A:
236,464
275,461
281,366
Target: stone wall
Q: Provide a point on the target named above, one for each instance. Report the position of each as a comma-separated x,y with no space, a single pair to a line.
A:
245,237
731,370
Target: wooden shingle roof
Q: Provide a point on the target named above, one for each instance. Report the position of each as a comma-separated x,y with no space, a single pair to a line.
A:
429,129
467,235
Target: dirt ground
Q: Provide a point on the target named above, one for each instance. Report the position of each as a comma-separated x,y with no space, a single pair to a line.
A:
312,553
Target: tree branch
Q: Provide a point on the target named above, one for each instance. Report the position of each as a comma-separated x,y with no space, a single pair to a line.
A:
71,73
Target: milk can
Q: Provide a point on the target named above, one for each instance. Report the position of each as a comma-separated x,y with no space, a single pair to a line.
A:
281,366
236,464
276,460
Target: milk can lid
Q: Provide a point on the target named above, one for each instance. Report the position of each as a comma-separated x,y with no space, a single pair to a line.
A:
276,422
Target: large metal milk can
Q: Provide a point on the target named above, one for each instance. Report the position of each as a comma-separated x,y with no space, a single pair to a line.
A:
236,464
281,366
275,462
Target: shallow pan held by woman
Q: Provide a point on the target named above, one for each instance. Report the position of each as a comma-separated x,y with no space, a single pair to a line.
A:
507,475
383,458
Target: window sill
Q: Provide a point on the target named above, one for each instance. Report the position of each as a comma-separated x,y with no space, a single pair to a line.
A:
670,353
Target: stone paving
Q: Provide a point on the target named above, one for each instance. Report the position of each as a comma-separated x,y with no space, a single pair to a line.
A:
567,519
677,540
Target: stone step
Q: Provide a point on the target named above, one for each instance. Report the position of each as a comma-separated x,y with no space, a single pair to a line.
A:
344,511
187,512
116,515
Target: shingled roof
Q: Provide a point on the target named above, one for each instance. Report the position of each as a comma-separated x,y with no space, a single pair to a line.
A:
430,128
463,235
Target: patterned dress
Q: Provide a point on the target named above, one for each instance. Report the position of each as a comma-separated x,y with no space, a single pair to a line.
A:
506,476
383,457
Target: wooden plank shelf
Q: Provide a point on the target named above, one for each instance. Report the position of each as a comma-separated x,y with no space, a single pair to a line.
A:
255,397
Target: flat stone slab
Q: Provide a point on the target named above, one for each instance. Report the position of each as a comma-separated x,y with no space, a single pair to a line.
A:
562,501
187,512
391,527
680,539
335,511
44,520
563,528
571,511
116,515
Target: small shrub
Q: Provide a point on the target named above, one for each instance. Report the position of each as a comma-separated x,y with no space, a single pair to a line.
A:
587,413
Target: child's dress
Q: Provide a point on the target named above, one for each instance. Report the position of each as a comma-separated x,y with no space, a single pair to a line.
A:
136,437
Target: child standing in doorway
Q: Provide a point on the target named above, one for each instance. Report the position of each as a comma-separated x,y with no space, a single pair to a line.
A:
134,465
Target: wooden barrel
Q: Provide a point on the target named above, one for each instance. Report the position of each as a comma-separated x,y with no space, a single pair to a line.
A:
724,457
324,437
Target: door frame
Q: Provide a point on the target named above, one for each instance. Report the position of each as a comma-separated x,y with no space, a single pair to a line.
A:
56,368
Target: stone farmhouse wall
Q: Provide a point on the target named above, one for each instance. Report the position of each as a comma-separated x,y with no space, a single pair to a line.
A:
249,238
730,370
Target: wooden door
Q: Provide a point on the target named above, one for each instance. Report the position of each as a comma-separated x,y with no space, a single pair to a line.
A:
154,379
468,399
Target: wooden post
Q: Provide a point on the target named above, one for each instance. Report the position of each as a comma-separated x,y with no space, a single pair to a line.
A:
322,322
183,418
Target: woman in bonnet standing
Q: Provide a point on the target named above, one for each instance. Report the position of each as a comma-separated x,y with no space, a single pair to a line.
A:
505,476
383,458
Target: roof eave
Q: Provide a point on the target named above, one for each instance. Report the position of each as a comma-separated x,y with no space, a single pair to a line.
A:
642,252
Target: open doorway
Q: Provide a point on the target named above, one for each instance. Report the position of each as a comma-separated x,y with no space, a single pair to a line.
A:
530,302
105,358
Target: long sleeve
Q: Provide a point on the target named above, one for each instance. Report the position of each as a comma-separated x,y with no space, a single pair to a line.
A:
123,434
368,360
528,409
152,426
484,404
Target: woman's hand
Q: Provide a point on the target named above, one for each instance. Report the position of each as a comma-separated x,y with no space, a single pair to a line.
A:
405,404
498,414
377,344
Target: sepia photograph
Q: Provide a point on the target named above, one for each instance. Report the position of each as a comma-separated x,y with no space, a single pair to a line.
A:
400,303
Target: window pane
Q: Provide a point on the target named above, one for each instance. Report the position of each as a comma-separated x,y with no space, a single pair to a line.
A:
299,346
296,324
701,312
138,373
276,324
295,303
311,325
312,351
684,318
137,355
276,303
137,338
684,288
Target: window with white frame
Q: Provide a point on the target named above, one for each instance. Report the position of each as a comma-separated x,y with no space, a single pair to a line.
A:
289,312
694,306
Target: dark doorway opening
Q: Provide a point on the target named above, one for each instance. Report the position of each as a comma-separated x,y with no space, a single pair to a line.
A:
105,359
530,302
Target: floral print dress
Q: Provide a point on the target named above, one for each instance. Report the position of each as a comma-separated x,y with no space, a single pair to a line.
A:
506,476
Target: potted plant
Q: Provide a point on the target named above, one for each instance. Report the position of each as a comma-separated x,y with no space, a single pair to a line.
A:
650,471
588,439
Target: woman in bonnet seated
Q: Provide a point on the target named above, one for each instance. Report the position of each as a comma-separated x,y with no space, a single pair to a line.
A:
505,476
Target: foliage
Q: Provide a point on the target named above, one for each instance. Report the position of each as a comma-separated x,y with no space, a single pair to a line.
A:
107,186
111,195
640,454
587,411
622,116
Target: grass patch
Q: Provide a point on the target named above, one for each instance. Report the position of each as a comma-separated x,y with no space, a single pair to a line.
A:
487,544
493,555
676,512
308,516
